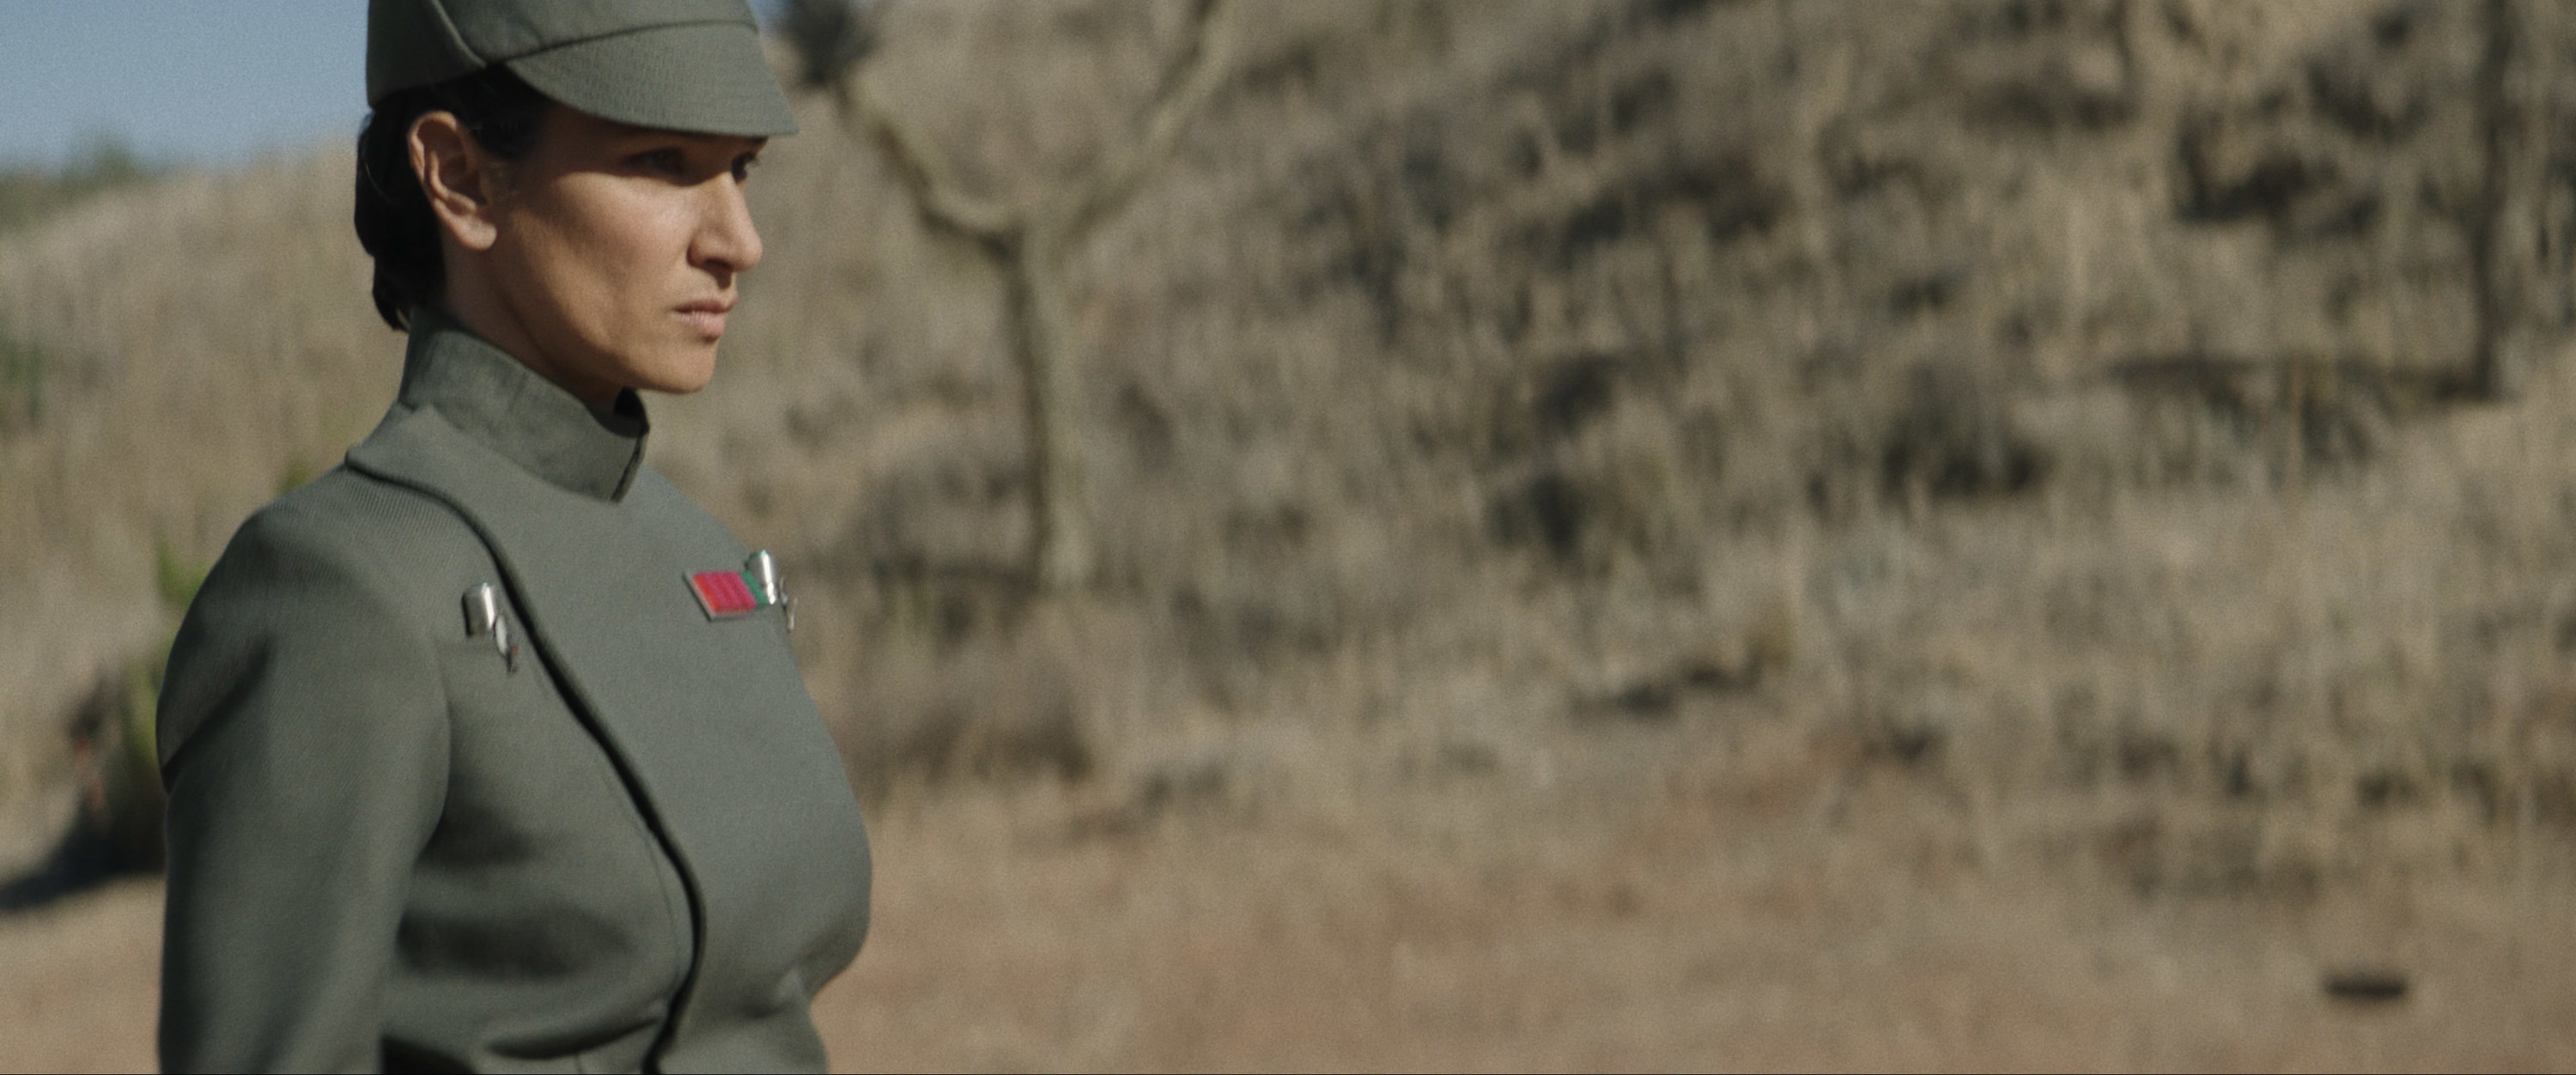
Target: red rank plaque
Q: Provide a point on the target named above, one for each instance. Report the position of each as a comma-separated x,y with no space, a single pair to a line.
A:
723,594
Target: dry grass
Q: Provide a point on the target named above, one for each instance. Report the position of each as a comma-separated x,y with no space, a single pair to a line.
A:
1785,534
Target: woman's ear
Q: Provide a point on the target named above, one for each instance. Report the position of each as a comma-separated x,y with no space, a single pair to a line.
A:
458,178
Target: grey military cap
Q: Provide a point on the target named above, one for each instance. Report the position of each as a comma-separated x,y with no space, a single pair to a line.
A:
684,65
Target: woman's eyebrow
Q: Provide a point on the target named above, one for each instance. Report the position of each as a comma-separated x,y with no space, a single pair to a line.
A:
628,132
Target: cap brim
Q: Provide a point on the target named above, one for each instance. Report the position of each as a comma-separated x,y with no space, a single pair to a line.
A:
709,77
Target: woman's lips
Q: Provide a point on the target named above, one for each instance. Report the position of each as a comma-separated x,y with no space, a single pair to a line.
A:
708,318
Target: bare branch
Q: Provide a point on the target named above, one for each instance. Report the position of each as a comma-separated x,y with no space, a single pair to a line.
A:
923,170
1194,74
1028,246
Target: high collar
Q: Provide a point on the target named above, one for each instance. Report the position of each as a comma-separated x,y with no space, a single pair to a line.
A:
491,397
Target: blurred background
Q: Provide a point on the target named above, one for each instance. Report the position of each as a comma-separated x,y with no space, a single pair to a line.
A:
1584,533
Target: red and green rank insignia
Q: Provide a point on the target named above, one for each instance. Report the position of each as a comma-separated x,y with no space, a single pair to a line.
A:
728,594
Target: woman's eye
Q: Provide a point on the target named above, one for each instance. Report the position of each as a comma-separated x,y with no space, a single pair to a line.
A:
742,166
661,161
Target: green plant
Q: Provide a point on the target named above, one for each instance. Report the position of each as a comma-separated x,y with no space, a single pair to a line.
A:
29,194
133,779
23,367
175,577
294,474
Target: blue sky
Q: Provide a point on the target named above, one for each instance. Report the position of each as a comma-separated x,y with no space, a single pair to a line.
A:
182,81
213,82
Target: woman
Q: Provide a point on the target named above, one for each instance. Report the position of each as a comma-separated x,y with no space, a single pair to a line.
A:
486,749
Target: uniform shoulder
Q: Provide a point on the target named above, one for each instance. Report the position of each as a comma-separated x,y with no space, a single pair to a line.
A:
351,511
333,590
395,543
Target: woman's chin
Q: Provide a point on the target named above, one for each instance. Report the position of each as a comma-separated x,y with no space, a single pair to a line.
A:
679,378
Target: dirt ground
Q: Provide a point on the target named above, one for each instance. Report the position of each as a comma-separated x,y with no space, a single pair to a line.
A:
1487,920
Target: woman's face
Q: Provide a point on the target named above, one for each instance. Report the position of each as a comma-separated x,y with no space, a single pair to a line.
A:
609,254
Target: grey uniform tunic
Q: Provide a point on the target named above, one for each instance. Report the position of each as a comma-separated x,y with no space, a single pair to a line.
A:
389,847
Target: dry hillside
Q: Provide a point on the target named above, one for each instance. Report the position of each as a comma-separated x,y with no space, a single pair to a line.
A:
1643,533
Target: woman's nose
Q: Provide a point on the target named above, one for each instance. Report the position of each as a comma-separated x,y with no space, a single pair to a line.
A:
726,241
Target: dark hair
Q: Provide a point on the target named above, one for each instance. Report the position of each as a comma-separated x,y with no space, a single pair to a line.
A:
501,113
